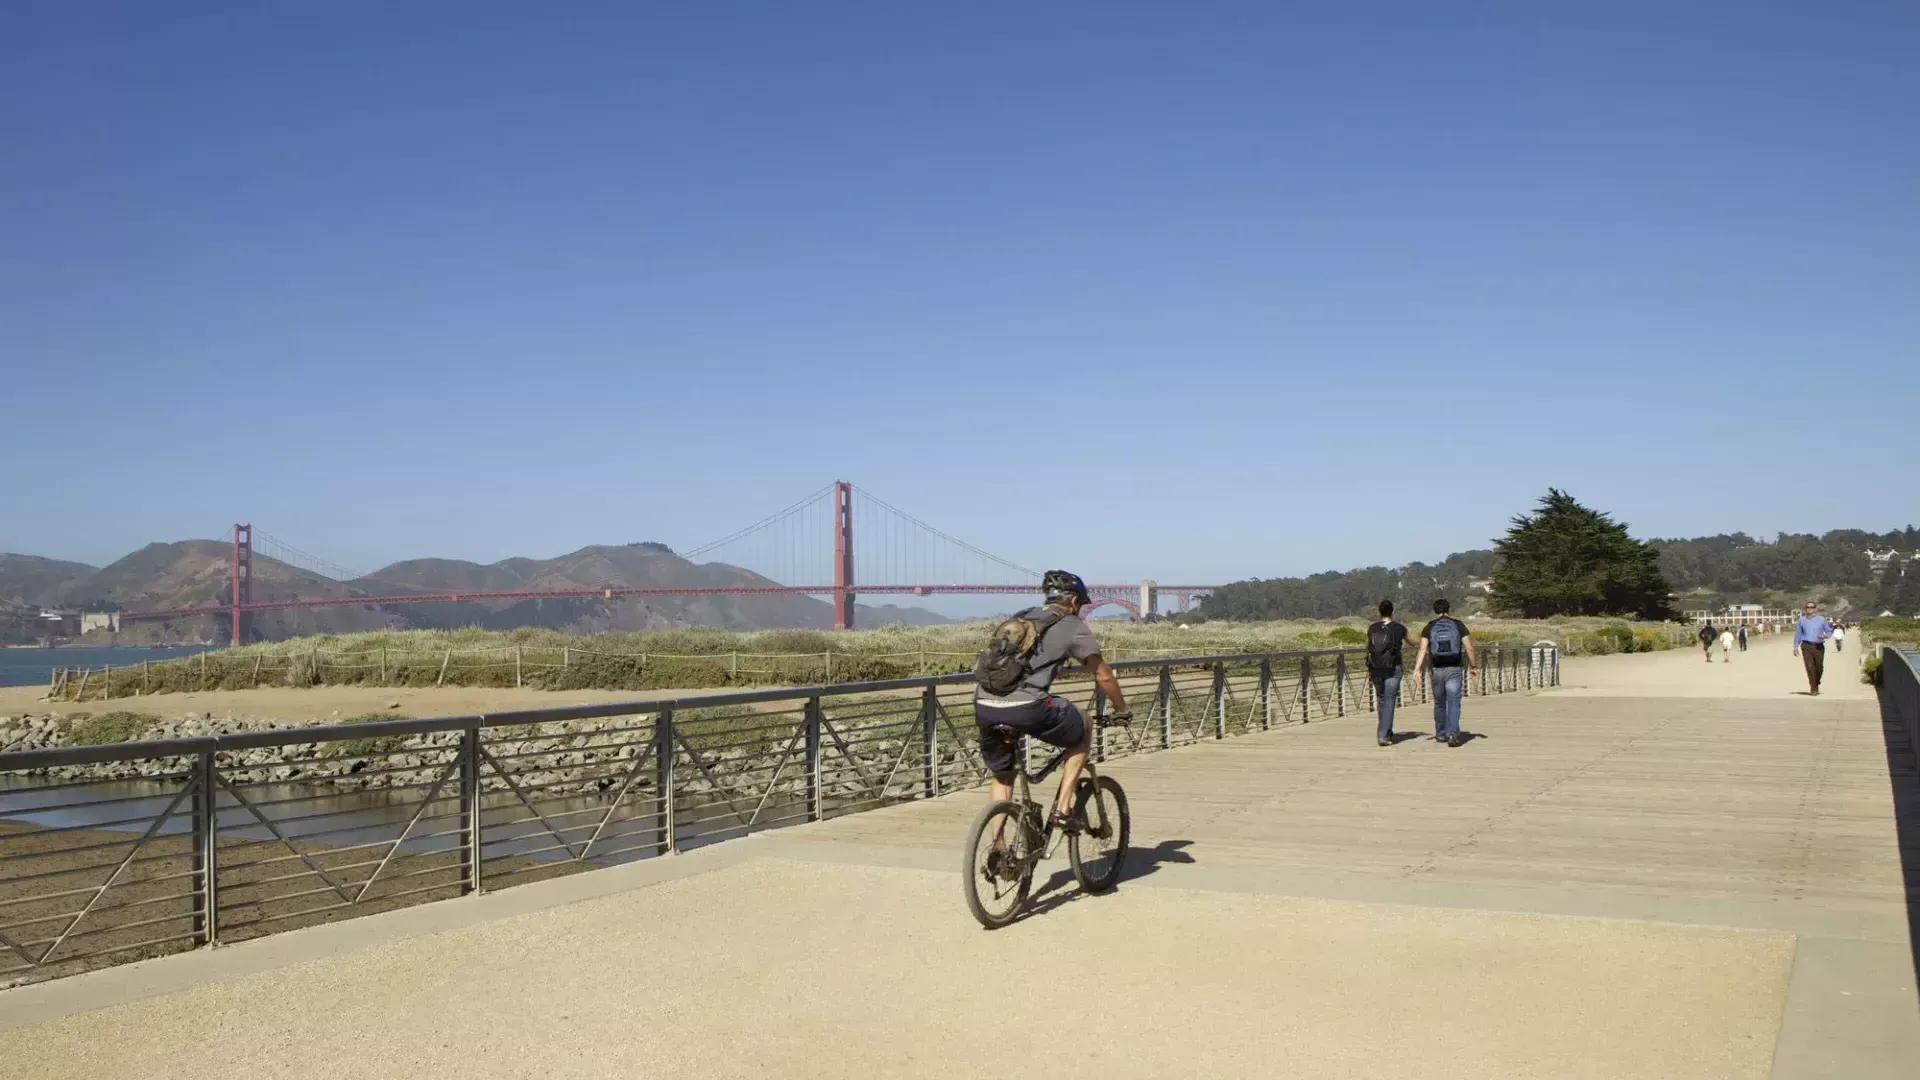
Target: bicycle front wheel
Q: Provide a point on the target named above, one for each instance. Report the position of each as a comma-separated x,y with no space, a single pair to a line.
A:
1099,852
997,872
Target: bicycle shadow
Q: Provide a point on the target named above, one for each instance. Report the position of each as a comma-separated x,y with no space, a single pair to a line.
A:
1141,862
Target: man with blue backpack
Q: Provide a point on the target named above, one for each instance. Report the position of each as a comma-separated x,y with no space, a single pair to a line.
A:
1446,645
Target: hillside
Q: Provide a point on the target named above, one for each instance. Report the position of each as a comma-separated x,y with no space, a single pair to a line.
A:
30,579
194,573
610,565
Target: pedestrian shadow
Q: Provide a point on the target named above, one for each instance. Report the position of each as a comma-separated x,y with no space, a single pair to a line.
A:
1470,736
1399,737
1903,773
1141,862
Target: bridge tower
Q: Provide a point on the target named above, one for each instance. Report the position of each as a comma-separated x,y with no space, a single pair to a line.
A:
842,555
240,585
1149,598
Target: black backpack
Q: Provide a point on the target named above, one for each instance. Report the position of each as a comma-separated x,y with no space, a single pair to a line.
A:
1004,664
1383,652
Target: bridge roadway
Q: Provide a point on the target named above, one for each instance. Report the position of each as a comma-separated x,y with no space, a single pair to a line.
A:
1663,869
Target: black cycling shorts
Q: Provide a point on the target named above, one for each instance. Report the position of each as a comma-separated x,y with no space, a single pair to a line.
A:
1053,720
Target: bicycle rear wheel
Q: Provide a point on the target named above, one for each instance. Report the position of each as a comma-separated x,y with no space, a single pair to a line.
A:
1099,853
998,873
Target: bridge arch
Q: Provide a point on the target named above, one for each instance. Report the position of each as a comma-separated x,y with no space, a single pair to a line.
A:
1098,601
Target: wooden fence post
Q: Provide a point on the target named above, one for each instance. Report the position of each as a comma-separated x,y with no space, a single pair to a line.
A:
444,661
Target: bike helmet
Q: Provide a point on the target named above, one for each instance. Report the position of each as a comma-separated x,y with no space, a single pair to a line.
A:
1059,585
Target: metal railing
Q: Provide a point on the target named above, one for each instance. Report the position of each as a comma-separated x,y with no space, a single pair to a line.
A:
1900,687
115,852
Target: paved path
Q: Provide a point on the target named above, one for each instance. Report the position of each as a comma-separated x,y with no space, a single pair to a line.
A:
1663,870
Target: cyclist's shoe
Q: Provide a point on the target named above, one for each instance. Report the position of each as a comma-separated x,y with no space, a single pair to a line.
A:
1122,717
1075,822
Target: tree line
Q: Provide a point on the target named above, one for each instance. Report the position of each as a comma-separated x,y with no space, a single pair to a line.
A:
1563,558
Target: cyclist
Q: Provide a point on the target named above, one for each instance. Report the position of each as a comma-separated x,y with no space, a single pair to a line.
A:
1033,710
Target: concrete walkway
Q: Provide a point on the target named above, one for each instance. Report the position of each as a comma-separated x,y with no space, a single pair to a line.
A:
1665,869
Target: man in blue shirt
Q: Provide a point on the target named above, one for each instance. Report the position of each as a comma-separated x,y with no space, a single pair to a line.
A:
1810,645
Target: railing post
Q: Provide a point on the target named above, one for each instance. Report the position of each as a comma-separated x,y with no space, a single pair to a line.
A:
1340,685
815,782
1266,693
1097,752
1306,688
1220,699
206,846
929,742
1166,708
665,830
470,825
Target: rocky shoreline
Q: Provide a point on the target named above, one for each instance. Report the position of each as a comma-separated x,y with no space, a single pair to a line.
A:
564,758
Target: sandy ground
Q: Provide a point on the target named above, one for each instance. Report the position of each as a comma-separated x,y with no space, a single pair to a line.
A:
331,702
750,978
1768,669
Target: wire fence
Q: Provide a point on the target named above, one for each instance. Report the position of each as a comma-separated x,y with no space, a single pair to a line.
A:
536,667
545,667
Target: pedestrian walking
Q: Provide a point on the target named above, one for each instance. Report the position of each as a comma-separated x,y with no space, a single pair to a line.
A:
1708,635
1726,646
1447,644
1810,636
1385,639
1840,637
1742,637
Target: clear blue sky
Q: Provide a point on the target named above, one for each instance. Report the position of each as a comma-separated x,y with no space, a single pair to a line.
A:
1234,289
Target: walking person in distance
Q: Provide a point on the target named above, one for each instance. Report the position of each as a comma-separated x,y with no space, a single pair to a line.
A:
1446,644
1384,640
1707,636
1741,636
1810,636
1839,637
1726,646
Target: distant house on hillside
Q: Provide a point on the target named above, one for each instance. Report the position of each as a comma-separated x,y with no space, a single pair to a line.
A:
1880,560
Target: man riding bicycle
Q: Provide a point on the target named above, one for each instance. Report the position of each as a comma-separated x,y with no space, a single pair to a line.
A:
1032,710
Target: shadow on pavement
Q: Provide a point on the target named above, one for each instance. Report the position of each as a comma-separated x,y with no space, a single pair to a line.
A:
1061,888
1903,772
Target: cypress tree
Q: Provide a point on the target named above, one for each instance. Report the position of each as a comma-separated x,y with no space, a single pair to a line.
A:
1568,559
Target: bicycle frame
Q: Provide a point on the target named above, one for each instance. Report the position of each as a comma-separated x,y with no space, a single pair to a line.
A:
1024,783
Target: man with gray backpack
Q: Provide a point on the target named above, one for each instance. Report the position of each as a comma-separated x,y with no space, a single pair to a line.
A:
1446,644
1014,679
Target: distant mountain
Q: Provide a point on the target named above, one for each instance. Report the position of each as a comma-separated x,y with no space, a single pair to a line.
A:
628,565
30,579
194,573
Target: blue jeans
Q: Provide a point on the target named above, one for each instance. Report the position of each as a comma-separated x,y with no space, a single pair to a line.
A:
1449,686
1386,693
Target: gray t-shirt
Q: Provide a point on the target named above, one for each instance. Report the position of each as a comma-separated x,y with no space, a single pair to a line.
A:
1070,638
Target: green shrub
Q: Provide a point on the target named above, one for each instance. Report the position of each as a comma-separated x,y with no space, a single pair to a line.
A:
1870,671
1616,639
1347,635
1895,630
113,727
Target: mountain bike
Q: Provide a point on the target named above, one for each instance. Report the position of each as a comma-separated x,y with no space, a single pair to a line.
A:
1011,837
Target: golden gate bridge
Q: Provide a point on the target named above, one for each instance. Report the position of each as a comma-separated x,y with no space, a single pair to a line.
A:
898,555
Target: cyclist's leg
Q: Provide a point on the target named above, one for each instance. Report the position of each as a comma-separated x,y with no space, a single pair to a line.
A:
1066,727
996,750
